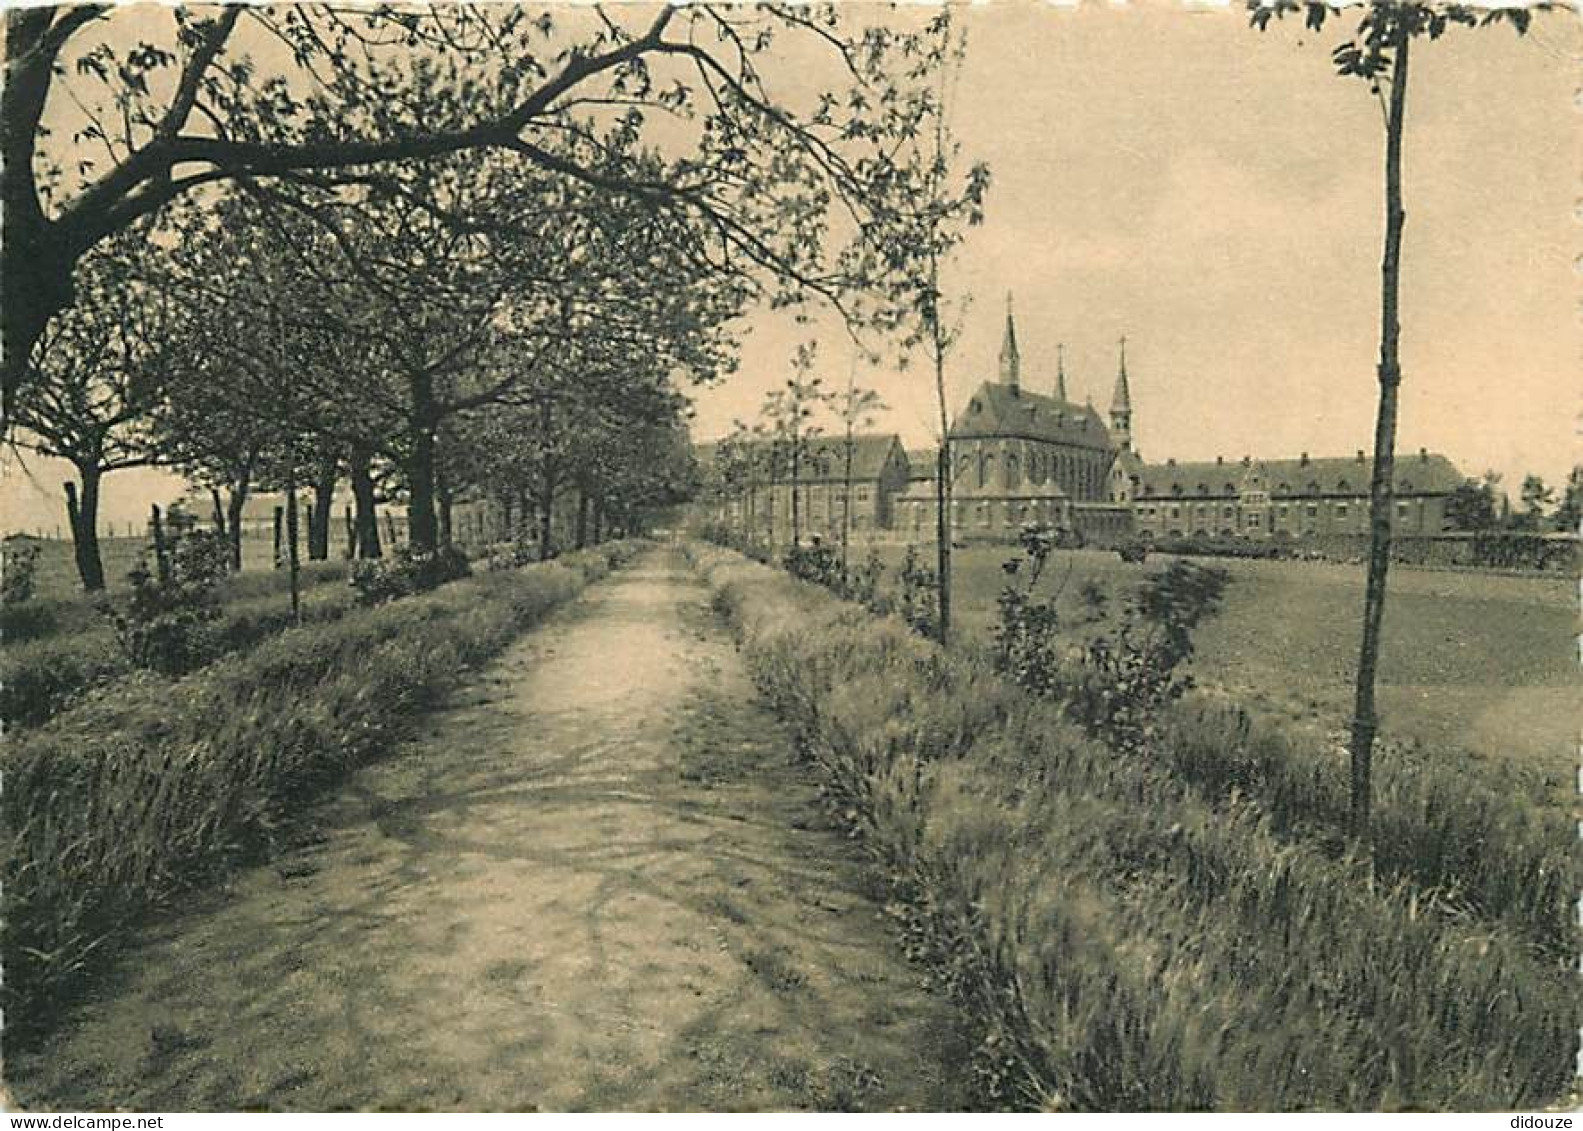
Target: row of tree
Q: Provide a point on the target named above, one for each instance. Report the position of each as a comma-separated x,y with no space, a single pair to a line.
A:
781,446
1485,506
437,251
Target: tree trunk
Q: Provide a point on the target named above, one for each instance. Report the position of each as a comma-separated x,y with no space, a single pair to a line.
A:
599,521
547,484
323,512
367,520
1365,721
293,562
82,512
156,528
443,507
422,525
846,502
235,501
581,533
796,503
280,518
219,512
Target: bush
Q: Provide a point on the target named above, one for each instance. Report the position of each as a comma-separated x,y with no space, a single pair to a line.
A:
18,569
114,807
407,572
1121,939
167,624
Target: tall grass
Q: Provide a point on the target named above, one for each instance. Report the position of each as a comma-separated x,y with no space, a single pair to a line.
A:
1124,941
69,649
113,808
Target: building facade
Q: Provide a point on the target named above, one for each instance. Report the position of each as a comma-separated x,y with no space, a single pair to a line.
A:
1292,498
1020,456
750,485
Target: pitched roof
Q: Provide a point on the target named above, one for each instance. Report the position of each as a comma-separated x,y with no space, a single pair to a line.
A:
1000,410
1424,473
824,460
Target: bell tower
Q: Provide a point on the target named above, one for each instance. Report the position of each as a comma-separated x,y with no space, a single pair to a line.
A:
1121,405
1010,359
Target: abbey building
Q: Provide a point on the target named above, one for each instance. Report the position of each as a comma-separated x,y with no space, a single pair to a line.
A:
1023,452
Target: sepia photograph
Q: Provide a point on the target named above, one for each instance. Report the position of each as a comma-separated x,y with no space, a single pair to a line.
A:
789,557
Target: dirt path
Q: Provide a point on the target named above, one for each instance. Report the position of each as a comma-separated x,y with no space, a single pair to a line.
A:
597,882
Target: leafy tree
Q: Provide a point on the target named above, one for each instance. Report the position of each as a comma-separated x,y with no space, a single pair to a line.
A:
949,202
1378,53
1471,507
92,379
360,92
855,408
788,413
1570,513
1538,497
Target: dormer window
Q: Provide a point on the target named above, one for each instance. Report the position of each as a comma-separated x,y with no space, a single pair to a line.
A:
975,407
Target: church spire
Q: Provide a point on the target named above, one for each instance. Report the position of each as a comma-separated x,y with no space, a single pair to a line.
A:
1121,403
1010,360
1060,372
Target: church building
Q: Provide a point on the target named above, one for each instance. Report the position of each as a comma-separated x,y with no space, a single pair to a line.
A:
1019,455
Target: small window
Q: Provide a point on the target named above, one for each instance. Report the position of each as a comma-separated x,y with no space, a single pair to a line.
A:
1313,510
1341,510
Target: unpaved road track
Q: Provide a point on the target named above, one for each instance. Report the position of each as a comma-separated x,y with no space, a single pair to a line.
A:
597,881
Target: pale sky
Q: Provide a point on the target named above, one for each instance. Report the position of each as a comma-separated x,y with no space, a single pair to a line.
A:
1215,194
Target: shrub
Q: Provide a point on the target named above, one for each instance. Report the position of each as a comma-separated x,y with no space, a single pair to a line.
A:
166,625
1120,939
918,601
112,808
18,569
815,562
406,572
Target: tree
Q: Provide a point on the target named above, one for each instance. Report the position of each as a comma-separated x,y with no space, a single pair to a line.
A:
1471,507
948,204
1570,513
1378,52
855,408
361,92
90,384
788,413
1538,497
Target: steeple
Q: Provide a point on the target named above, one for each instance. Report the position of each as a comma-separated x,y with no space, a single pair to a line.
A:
1010,360
1060,372
1121,404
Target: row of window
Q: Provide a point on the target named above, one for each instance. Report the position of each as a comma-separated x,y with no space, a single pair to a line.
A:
1079,474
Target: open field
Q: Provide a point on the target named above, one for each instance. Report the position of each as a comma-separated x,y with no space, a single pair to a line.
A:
1478,661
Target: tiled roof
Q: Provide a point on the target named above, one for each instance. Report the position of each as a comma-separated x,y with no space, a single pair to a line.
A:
824,460
997,410
1419,474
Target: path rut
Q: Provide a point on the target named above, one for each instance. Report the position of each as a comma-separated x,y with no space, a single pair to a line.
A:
597,881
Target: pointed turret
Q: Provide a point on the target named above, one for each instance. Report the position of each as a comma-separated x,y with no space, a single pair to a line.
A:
1121,404
1010,359
1060,372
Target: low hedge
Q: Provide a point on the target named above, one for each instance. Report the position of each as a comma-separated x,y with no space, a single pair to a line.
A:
1121,941
115,807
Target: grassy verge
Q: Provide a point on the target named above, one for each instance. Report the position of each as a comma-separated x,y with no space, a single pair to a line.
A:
113,808
57,651
1125,940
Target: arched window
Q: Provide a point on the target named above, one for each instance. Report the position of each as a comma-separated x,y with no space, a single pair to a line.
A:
1013,469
